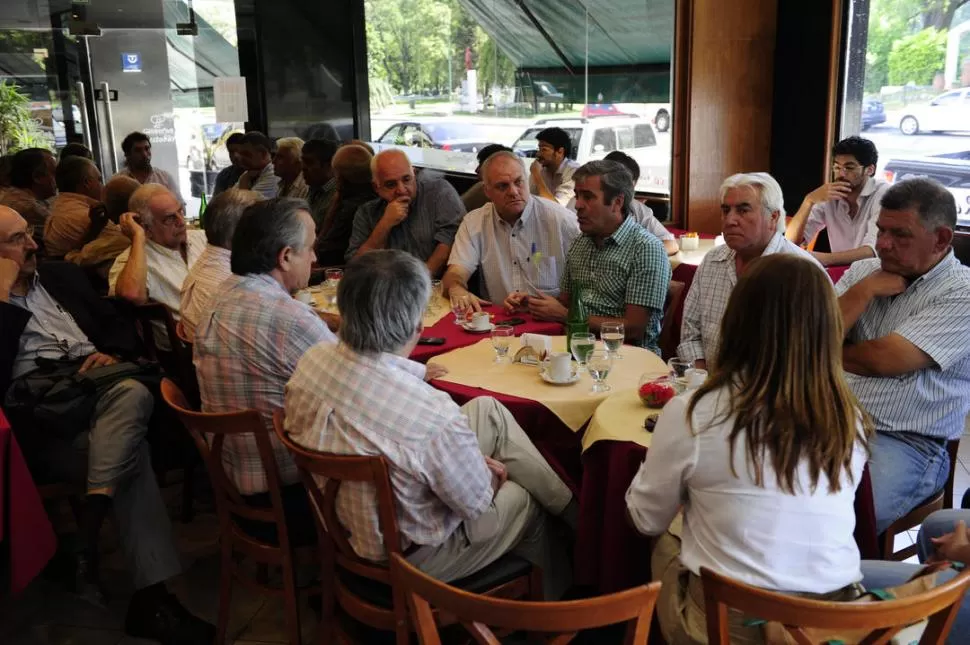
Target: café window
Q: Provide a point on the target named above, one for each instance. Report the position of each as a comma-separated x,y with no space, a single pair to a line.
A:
907,88
467,73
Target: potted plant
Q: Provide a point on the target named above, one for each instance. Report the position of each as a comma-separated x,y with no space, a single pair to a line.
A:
18,128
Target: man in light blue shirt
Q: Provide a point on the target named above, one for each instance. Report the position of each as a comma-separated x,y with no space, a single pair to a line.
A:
256,156
906,353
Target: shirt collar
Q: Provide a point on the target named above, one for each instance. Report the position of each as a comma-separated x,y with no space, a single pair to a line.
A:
944,265
262,282
623,233
218,251
164,250
413,368
869,188
776,244
530,206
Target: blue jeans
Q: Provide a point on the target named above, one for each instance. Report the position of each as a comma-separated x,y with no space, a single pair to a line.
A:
879,574
906,468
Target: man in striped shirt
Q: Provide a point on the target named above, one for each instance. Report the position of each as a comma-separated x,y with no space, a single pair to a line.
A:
906,353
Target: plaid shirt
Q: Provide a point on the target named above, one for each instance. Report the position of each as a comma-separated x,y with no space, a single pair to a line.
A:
708,298
346,403
631,268
246,347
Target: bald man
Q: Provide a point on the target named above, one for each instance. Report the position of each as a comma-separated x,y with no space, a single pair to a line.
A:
419,215
53,314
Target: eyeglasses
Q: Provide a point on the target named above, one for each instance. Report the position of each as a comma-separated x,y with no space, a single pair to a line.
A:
174,219
850,168
20,239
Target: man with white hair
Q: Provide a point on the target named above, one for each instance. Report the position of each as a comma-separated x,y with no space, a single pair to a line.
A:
469,486
289,168
419,215
753,225
161,253
518,241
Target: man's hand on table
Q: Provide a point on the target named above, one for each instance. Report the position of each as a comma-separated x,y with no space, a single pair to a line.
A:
465,299
433,371
514,301
500,473
545,307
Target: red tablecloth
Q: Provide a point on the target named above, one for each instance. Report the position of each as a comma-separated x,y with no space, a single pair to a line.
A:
26,536
456,337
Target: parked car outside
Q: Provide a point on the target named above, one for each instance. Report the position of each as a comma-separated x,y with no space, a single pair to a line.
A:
948,112
951,169
459,137
873,113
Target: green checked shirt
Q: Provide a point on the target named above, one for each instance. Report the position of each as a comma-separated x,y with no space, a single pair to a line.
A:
631,268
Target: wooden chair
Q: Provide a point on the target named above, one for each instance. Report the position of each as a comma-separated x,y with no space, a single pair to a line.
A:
361,588
669,330
883,619
476,613
940,499
230,507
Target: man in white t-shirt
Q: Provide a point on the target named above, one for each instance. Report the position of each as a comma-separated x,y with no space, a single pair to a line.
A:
846,207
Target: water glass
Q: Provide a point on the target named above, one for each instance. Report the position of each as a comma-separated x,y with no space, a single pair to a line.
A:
612,335
582,345
501,341
435,296
333,276
599,362
458,309
678,372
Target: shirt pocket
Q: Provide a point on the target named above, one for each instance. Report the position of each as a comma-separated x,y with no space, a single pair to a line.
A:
547,274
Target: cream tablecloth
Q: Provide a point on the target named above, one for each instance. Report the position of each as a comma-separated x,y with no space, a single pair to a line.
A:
432,315
474,366
619,418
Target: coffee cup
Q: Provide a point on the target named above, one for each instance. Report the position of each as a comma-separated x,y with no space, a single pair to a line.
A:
560,366
480,321
695,377
304,296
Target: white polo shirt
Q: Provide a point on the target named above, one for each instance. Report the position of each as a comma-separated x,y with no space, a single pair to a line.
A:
845,232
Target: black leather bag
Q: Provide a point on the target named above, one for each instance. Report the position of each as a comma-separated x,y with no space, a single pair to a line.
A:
61,401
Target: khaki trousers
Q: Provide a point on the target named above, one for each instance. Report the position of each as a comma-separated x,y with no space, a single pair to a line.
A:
518,520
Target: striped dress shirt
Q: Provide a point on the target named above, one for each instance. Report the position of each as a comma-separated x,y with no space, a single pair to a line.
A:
934,315
246,347
700,331
203,281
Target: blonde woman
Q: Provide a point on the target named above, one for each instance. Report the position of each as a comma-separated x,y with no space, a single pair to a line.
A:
763,459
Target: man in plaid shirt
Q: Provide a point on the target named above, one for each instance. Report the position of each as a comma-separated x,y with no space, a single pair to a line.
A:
469,485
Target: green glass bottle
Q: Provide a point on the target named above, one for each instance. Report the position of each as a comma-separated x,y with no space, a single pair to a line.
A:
202,205
577,321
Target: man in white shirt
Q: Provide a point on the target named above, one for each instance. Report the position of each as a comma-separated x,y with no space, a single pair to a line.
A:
289,168
846,208
752,210
161,253
255,155
551,175
138,162
640,211
519,242
213,267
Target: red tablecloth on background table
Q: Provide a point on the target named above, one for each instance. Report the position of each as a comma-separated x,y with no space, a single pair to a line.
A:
456,337
26,535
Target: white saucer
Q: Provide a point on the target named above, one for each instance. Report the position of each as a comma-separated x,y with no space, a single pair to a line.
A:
548,379
474,330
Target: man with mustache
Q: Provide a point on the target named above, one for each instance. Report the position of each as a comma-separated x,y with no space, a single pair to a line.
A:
52,314
517,241
906,353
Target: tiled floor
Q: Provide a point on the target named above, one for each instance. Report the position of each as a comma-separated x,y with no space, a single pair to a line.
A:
46,615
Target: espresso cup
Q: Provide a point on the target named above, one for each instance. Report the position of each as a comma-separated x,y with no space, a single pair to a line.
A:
560,366
480,320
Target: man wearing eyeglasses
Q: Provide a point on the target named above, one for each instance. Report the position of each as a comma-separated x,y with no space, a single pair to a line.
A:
846,207
161,253
54,314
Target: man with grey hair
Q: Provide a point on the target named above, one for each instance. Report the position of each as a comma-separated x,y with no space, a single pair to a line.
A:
419,215
250,338
161,253
906,355
469,485
753,225
620,270
289,168
518,242
213,267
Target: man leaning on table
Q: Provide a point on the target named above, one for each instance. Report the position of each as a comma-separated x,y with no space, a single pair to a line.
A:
517,241
907,320
469,486
621,270
846,207
753,224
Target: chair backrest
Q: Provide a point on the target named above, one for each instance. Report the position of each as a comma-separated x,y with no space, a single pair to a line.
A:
670,329
229,502
883,619
186,368
156,316
953,448
477,613
337,469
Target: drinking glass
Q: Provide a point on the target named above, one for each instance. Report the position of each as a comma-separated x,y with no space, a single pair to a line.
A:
678,372
501,340
582,345
333,276
458,309
599,362
435,296
612,335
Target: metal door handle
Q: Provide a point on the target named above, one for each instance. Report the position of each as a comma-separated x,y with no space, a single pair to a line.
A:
109,126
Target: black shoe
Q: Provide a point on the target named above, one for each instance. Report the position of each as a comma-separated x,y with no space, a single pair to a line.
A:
86,583
167,622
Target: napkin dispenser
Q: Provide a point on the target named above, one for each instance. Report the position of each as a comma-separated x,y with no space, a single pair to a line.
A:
535,348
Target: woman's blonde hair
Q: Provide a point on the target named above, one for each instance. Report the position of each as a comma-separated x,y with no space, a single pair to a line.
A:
780,358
